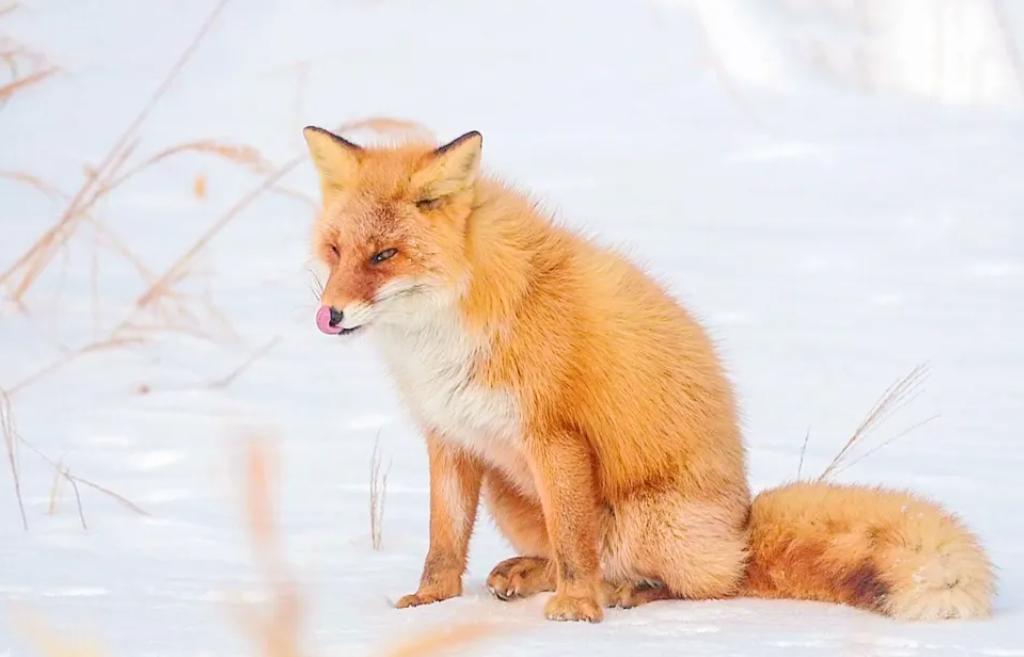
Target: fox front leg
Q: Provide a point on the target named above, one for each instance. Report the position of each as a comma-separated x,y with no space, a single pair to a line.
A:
562,468
454,495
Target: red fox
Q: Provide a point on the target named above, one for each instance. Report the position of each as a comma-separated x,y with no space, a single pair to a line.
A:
588,408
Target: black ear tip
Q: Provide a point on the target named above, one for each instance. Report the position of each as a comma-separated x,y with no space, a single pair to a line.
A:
461,139
312,129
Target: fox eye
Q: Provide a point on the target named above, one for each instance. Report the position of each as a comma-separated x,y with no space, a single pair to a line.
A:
383,255
334,250
428,203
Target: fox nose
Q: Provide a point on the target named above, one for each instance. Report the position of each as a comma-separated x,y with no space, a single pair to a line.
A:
328,320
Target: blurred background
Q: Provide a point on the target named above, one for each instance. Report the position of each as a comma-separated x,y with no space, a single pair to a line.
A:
835,187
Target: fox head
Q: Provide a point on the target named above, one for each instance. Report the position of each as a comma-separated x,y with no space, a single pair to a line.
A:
392,228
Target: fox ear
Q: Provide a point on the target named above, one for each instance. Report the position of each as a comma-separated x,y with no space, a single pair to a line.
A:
451,168
336,159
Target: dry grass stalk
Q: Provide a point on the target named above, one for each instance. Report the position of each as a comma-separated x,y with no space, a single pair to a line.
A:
240,154
46,641
180,266
895,397
10,442
229,378
28,267
391,126
442,641
12,439
259,507
74,480
67,358
276,631
295,194
61,474
58,477
803,453
32,181
9,89
1009,42
117,246
224,381
109,237
78,497
885,443
32,263
378,493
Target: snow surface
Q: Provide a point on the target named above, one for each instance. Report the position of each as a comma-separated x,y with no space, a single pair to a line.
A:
831,239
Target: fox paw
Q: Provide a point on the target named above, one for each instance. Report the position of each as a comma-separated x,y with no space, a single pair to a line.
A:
426,597
563,607
520,577
632,594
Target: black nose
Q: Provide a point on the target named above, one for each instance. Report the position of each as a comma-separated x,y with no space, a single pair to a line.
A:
336,317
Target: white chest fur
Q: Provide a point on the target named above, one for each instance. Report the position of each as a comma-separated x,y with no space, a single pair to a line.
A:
432,361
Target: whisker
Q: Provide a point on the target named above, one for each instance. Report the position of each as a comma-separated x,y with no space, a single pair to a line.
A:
316,285
409,290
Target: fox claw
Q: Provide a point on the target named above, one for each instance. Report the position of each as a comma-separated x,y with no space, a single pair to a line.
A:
520,577
504,596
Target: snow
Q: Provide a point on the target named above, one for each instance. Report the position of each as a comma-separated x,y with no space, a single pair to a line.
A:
831,230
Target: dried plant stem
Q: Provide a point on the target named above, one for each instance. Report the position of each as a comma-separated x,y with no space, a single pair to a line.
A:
60,473
803,452
724,79
1009,43
885,443
277,630
75,479
378,493
442,641
229,378
33,181
178,268
7,90
42,252
239,154
10,440
45,640
98,345
894,398
58,476
119,247
78,497
109,236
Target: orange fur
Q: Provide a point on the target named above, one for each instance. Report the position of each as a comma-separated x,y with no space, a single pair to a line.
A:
589,408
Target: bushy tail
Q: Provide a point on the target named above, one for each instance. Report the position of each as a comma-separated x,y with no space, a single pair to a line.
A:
881,550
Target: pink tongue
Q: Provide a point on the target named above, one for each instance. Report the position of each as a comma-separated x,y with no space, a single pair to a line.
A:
323,321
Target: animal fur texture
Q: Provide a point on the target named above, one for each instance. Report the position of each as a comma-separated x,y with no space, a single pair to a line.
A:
558,382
